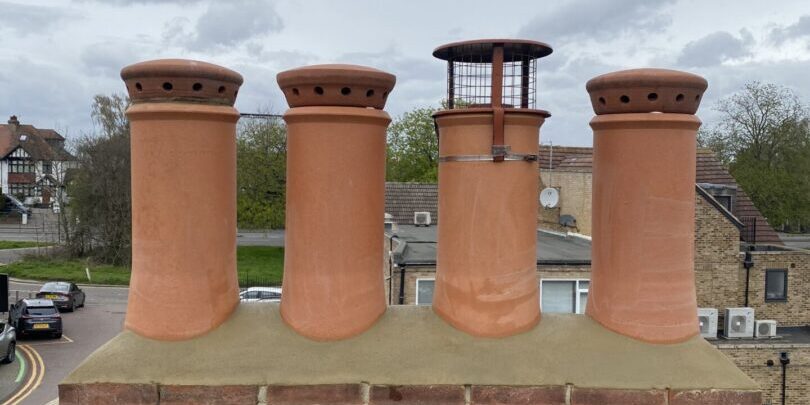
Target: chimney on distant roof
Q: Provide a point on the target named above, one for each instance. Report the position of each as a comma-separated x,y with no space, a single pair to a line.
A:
13,122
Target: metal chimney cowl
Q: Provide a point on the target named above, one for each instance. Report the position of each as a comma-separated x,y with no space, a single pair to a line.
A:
336,134
183,134
642,277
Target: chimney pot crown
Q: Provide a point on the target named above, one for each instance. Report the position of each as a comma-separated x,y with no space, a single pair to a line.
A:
181,80
336,85
646,90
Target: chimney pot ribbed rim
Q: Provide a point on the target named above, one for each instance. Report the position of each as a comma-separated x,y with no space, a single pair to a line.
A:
646,90
181,80
336,85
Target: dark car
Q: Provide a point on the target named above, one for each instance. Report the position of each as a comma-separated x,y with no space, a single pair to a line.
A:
63,294
35,316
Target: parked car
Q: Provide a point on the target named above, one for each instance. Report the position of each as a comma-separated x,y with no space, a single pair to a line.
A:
8,343
35,316
264,294
64,295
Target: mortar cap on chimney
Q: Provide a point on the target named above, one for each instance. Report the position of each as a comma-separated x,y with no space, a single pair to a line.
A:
336,85
181,80
646,90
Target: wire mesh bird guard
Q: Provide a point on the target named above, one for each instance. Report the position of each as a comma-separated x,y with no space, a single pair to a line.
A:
492,73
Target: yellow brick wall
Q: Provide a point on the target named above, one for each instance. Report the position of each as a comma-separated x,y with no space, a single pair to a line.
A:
752,360
575,199
796,310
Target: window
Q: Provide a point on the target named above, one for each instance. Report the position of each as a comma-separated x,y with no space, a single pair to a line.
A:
20,166
776,285
21,190
564,296
424,291
724,200
47,168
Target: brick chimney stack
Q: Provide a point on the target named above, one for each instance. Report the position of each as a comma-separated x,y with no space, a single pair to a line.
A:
13,122
333,286
642,279
183,129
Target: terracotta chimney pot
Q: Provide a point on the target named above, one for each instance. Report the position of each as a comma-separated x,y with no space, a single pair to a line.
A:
642,278
183,134
486,272
336,133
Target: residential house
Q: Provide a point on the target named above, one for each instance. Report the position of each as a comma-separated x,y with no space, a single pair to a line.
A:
33,162
739,261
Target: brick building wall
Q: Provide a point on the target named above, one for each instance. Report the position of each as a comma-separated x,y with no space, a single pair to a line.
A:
753,360
575,198
718,276
795,311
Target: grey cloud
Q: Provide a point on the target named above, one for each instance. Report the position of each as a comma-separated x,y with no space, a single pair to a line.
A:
716,48
26,20
107,58
125,3
232,23
597,20
799,29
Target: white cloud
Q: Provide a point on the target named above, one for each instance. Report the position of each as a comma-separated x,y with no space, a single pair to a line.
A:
716,48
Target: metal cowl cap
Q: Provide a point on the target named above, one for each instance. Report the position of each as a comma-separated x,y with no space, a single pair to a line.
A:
181,80
336,85
646,90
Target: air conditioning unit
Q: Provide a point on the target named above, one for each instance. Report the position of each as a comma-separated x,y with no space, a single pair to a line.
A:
739,323
707,319
421,218
765,329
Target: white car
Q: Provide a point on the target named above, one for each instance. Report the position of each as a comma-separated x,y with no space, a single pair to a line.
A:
261,294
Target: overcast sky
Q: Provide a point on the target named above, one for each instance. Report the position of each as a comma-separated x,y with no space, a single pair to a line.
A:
55,55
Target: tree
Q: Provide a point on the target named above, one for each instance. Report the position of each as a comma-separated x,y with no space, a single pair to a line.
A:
413,148
261,148
764,138
98,218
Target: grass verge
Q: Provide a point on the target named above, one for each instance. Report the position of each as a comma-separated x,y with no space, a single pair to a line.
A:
257,265
13,244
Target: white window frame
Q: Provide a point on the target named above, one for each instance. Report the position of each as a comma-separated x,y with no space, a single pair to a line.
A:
577,291
416,289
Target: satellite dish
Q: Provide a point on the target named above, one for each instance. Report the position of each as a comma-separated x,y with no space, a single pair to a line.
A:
549,197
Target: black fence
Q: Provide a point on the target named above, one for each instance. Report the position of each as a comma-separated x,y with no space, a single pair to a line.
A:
256,280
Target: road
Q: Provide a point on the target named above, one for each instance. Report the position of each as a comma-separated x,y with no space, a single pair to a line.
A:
271,237
84,331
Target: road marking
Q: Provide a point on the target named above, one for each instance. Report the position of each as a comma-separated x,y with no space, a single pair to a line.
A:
21,373
34,380
63,340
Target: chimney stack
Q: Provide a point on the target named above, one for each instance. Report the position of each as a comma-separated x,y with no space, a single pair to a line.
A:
486,274
642,278
13,122
336,133
183,135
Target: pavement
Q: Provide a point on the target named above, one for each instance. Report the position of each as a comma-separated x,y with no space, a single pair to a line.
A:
84,331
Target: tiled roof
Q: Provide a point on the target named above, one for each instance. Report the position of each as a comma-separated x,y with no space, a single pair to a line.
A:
709,170
40,144
403,199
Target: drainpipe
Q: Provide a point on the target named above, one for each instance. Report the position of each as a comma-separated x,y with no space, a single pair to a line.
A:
784,358
748,263
402,285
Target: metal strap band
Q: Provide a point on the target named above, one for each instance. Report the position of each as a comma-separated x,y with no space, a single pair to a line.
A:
488,158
